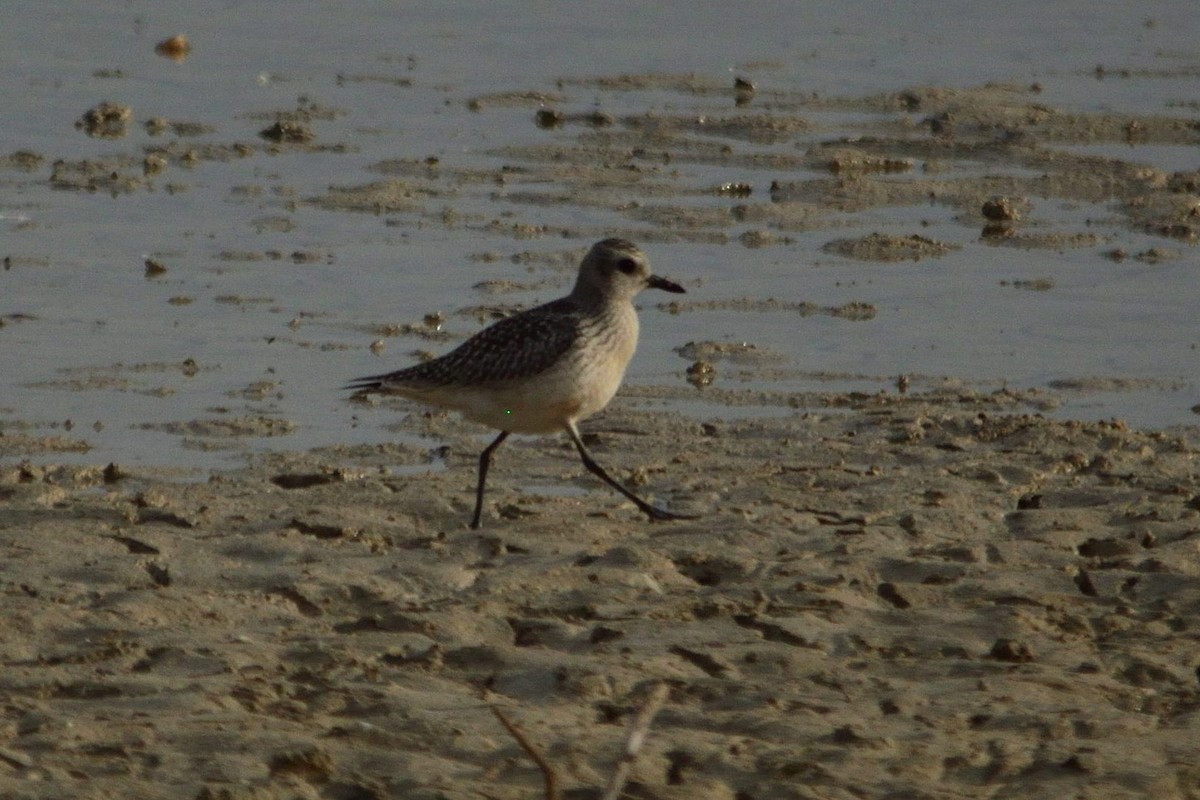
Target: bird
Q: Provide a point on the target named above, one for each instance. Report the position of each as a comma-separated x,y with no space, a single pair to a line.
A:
546,368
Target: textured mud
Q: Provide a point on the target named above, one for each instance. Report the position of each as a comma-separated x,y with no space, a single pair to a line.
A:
912,596
924,592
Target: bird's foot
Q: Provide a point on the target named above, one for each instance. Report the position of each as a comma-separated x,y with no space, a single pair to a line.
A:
659,515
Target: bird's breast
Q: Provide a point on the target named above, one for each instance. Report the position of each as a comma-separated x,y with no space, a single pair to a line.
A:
606,348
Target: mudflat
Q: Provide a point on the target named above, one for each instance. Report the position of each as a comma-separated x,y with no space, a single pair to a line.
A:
938,594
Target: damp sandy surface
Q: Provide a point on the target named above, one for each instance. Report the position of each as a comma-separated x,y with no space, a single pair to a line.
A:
931,392
907,596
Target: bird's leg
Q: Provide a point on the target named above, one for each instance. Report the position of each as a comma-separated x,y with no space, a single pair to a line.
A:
485,460
655,514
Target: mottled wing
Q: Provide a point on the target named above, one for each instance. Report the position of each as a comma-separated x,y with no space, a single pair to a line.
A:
519,346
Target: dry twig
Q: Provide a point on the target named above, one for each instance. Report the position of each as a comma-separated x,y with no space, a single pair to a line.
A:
548,773
638,728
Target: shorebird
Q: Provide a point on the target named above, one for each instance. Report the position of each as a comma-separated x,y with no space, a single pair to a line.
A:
544,369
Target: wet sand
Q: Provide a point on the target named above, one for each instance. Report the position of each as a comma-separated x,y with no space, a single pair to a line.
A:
925,595
932,593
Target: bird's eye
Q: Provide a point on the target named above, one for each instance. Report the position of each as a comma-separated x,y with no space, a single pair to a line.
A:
628,266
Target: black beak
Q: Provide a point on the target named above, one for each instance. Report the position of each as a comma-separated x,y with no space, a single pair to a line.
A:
655,282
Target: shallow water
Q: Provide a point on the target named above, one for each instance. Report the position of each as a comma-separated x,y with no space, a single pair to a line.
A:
276,299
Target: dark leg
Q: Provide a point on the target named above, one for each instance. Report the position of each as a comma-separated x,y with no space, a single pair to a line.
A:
655,514
485,460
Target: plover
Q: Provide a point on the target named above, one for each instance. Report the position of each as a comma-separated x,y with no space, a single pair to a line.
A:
546,368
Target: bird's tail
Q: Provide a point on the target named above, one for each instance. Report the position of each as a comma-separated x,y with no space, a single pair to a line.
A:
371,383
